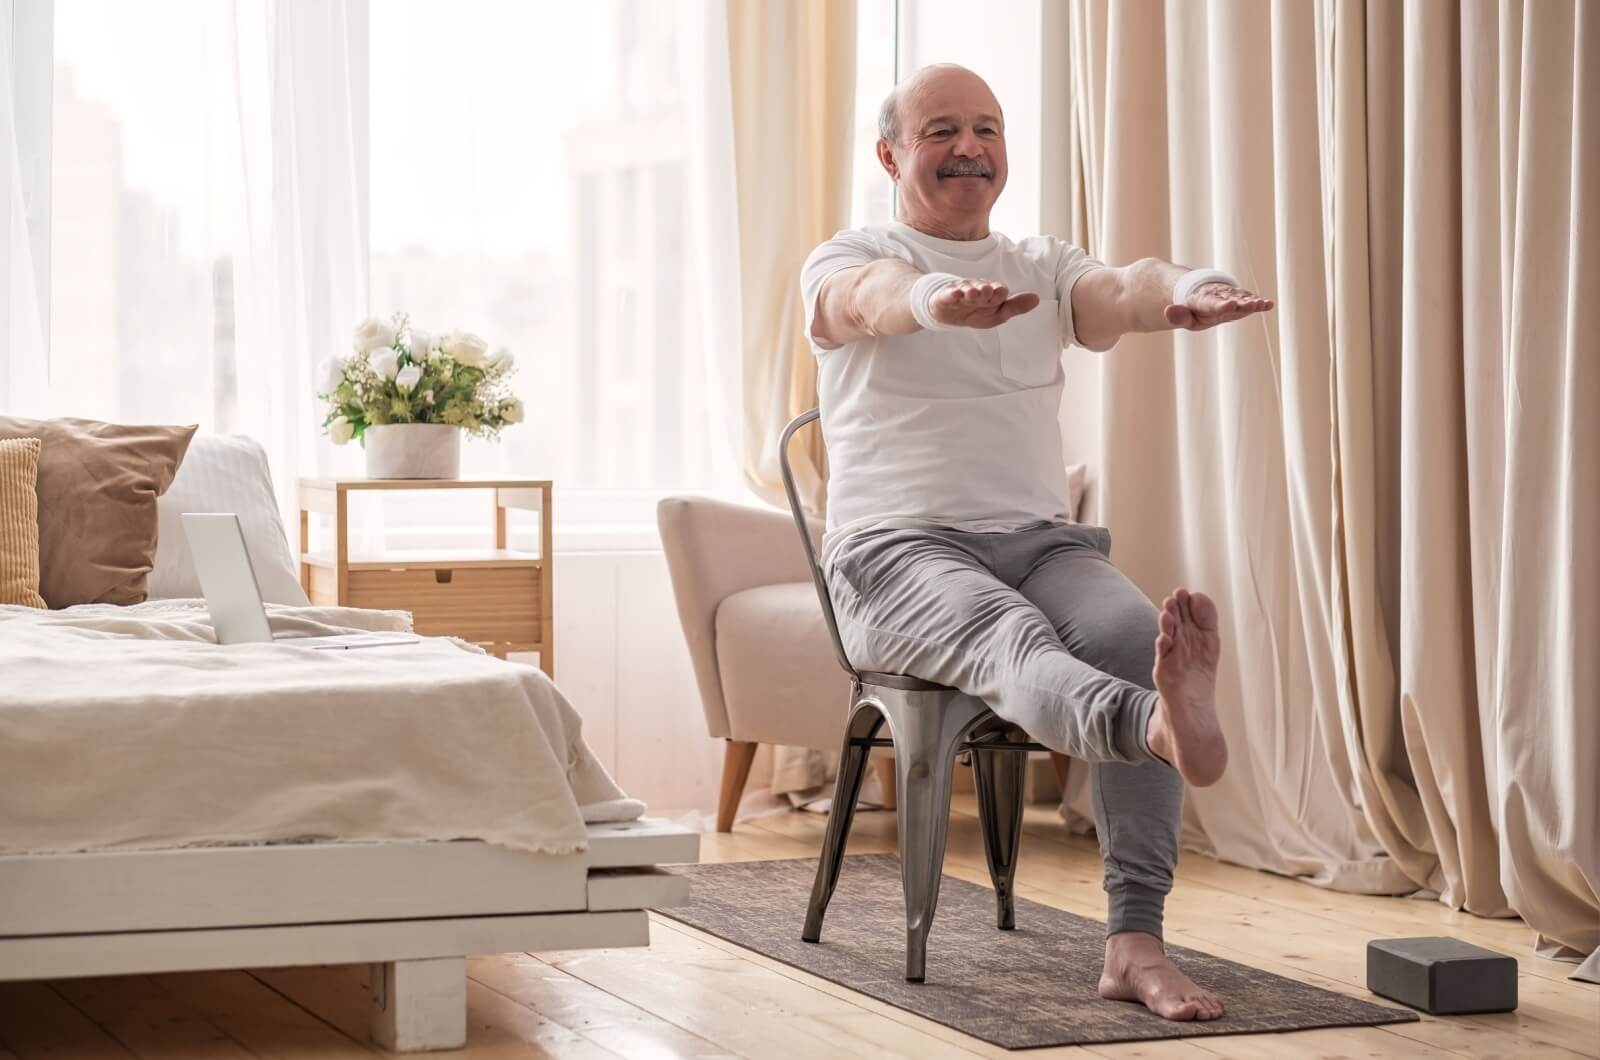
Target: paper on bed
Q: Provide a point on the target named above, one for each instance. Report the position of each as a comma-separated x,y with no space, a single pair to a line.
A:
128,728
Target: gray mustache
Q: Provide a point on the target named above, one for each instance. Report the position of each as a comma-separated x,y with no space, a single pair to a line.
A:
966,169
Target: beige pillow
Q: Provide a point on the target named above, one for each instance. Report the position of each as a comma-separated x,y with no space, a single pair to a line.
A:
19,522
98,484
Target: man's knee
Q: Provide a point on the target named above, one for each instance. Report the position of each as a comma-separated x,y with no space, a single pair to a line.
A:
1123,643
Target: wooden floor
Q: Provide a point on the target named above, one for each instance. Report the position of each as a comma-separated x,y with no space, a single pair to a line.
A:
695,996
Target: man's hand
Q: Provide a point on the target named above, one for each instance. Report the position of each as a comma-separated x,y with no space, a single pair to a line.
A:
979,304
1211,304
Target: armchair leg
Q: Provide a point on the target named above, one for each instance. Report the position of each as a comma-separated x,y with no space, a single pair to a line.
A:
1058,762
736,758
884,767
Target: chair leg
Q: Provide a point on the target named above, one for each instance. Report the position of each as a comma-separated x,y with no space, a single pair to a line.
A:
999,779
736,758
864,722
928,729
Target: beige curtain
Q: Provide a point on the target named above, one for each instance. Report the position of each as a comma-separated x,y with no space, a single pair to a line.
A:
1392,483
793,67
793,83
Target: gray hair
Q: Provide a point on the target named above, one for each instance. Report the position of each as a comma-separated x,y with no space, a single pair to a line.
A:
889,116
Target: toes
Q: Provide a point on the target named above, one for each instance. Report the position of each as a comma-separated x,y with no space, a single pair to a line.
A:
1187,1009
1204,610
1168,623
1163,646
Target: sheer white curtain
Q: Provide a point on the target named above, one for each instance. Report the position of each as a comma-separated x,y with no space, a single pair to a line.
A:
299,235
24,381
207,209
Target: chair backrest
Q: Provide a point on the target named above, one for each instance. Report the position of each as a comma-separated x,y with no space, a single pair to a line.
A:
805,537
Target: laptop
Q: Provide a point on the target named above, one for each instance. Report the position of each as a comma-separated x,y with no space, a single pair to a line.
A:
233,595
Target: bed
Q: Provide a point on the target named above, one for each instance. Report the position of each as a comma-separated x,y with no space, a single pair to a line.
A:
167,805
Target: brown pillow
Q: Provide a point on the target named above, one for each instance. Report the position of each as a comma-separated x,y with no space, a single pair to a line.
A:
19,523
98,484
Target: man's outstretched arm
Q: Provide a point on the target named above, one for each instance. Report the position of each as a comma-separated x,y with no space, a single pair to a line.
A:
1108,303
880,299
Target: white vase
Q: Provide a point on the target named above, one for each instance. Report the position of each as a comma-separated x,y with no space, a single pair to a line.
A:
413,450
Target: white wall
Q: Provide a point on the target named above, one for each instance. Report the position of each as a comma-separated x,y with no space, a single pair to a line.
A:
622,662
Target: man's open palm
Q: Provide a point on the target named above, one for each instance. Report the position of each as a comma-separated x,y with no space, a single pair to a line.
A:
1211,304
978,304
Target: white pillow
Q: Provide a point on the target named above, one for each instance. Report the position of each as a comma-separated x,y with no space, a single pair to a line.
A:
224,473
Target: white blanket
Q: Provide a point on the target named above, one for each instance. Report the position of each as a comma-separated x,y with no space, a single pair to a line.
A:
129,728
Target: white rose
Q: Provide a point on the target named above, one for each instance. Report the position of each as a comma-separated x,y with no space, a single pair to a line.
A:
332,374
420,341
465,347
501,358
386,363
374,334
340,430
408,377
511,411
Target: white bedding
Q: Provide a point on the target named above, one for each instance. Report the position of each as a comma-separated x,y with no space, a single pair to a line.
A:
129,728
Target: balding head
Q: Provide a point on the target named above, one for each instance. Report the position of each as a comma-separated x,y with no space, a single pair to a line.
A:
942,140
889,113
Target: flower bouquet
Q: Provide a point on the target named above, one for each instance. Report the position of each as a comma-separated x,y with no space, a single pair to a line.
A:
407,397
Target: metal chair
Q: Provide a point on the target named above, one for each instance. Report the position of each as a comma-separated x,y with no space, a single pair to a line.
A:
929,725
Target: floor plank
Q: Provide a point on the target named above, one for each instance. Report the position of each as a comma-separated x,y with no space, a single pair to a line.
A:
37,1023
149,1021
587,1011
339,995
260,1018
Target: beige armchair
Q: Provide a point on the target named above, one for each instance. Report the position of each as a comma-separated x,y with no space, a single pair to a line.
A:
762,656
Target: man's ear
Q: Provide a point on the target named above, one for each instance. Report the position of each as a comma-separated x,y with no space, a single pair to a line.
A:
886,159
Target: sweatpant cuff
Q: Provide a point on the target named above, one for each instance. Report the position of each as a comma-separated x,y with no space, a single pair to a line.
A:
1133,728
1134,907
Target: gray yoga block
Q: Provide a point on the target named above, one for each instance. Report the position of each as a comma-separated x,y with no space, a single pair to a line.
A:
1442,976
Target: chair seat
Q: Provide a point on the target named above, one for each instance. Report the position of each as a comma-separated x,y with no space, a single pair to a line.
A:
903,682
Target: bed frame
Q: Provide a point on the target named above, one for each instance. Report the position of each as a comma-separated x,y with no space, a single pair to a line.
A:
416,909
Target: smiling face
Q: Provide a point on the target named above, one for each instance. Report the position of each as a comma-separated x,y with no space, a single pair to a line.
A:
949,155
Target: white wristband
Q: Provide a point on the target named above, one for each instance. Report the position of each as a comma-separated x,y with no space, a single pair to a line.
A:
1194,278
922,292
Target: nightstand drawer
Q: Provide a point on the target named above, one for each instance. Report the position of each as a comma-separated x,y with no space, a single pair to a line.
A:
479,604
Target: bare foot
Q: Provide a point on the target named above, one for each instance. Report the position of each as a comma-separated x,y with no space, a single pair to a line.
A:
1137,969
1184,729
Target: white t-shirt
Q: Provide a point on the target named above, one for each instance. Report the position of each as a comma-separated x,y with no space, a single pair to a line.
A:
954,429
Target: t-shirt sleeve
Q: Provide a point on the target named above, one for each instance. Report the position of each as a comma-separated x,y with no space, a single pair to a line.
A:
1072,264
847,249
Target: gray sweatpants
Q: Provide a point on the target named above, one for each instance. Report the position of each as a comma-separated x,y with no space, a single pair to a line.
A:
1039,625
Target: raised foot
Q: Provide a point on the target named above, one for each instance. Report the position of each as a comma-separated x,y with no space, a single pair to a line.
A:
1184,729
1137,969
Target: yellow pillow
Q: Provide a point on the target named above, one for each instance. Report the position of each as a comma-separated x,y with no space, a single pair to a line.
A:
19,522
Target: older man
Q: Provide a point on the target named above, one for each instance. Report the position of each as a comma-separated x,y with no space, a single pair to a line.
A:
951,552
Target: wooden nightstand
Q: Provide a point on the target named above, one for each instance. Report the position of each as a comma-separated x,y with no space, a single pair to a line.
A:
498,598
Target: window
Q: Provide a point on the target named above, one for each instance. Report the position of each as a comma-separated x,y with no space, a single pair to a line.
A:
140,286
528,185
871,190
